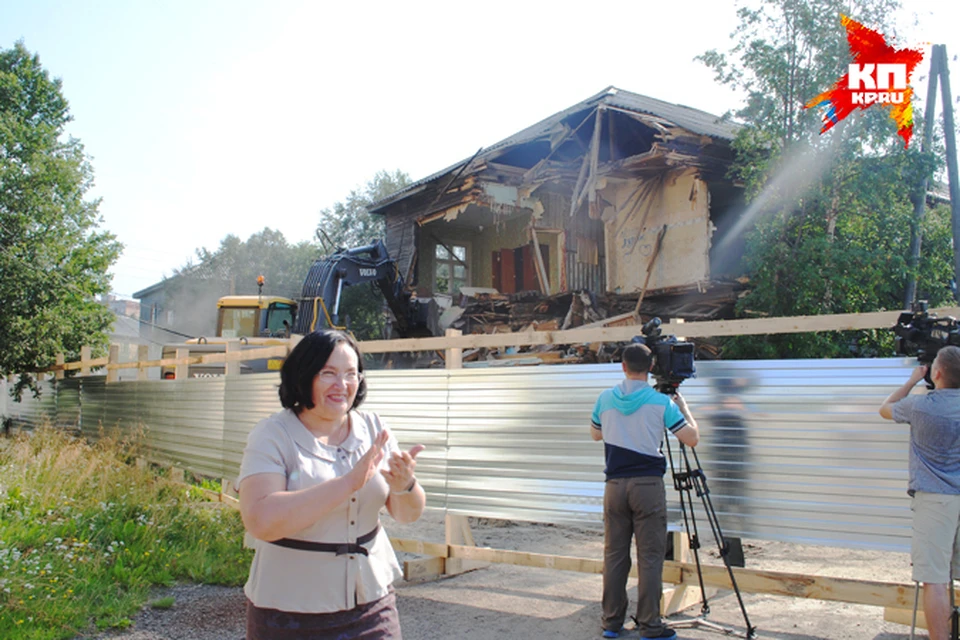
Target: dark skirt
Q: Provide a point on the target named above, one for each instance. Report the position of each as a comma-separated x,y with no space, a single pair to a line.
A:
377,620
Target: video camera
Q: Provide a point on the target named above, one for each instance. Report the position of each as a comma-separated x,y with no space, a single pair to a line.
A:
673,358
922,334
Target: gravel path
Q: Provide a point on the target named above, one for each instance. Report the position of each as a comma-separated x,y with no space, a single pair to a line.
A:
502,601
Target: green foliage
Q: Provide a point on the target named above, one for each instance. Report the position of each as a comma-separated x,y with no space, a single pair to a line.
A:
84,536
833,212
53,258
350,224
232,270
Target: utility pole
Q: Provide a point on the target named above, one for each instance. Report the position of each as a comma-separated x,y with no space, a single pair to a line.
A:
920,195
950,137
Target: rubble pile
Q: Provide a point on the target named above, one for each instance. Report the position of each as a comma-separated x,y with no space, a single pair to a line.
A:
488,312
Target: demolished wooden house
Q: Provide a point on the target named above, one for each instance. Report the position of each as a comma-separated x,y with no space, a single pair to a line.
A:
623,196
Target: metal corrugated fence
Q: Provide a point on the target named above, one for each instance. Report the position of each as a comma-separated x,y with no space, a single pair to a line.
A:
792,450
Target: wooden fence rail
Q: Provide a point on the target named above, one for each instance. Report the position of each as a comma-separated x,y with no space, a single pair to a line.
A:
712,328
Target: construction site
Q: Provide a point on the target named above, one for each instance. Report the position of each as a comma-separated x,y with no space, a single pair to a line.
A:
513,279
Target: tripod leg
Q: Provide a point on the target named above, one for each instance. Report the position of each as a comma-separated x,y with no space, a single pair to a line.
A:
916,602
954,621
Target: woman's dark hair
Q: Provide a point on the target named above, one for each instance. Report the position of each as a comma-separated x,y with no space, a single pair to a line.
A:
305,362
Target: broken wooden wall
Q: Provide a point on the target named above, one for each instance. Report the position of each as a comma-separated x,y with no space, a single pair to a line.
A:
678,199
583,249
402,236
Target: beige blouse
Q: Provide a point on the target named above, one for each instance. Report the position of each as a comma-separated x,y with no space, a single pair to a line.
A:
310,581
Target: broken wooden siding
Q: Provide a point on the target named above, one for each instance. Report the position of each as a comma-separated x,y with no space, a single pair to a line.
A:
402,236
583,243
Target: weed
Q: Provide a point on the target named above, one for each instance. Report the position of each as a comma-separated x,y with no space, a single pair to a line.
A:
84,536
163,603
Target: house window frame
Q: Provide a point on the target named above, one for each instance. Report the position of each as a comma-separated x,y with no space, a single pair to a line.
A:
452,262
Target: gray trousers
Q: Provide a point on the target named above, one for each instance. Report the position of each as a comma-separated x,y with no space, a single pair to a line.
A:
634,506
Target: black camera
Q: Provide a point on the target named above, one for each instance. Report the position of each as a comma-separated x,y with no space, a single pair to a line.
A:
923,334
673,358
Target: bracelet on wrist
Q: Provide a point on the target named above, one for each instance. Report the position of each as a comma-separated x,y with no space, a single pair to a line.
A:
413,484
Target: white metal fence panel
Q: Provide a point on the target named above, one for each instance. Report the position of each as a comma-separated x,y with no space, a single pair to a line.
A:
413,405
792,450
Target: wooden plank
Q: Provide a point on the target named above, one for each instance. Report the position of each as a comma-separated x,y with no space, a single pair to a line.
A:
143,355
759,326
113,374
424,568
232,367
530,559
680,597
457,532
453,358
656,251
182,370
580,335
420,547
277,351
869,592
84,361
905,616
61,359
542,275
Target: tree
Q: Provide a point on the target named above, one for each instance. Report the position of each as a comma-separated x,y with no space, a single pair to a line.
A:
232,269
350,224
833,212
53,257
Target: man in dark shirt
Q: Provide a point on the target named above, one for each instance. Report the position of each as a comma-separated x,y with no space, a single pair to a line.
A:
934,483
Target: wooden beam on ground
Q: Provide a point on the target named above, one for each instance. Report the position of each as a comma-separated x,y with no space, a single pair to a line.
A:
419,547
869,592
457,532
424,568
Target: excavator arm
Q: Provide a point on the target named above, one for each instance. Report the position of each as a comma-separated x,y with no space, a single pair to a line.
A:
323,290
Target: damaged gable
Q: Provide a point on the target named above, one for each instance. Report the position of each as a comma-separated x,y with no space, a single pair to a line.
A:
620,193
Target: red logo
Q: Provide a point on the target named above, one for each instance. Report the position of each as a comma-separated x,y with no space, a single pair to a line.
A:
879,75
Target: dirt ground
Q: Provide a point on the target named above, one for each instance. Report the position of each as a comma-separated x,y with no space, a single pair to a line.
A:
511,601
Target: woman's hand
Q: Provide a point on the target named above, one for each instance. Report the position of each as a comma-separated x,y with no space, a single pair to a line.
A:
367,465
399,475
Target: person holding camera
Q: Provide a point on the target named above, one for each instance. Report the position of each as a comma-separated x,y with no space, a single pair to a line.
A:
934,483
631,419
313,480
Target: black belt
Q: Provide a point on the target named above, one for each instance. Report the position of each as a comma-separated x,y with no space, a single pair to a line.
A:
341,549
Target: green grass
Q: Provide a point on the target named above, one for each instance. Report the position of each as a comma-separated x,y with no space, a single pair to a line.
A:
164,603
84,535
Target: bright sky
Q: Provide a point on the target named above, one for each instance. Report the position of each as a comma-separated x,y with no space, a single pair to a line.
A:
206,117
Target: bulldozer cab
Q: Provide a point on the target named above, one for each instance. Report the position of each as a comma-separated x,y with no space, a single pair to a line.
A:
255,316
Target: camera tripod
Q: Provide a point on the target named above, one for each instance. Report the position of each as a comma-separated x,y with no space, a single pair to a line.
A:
688,479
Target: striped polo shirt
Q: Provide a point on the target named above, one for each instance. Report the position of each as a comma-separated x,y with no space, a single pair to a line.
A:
632,417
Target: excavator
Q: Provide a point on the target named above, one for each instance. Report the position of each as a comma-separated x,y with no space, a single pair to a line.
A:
323,288
262,321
